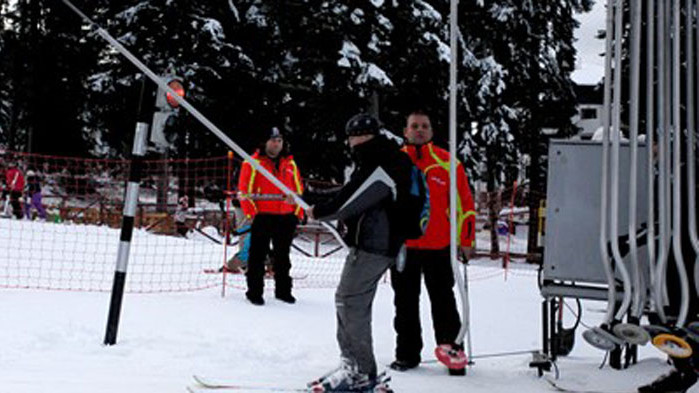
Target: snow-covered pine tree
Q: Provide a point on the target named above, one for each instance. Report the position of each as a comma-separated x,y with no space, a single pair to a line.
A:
181,37
6,90
317,63
533,43
46,72
517,62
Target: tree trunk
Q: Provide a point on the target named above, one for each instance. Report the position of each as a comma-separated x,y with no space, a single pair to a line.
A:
493,204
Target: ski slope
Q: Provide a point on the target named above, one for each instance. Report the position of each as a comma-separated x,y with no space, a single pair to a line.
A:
52,341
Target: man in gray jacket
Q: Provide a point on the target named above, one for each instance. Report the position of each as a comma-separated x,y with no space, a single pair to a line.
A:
368,207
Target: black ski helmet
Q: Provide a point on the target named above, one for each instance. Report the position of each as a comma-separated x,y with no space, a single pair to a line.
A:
362,124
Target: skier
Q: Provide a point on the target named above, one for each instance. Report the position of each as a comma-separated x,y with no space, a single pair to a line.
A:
34,196
14,181
367,206
238,263
429,256
273,220
181,216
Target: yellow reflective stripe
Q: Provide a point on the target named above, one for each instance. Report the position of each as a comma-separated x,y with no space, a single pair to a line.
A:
251,183
429,168
296,177
297,181
461,216
443,164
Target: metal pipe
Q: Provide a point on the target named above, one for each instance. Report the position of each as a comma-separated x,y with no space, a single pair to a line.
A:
691,140
609,273
658,287
667,143
677,178
461,281
692,162
650,130
633,143
616,135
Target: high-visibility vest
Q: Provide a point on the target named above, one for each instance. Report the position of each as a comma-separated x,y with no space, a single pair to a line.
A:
251,182
434,163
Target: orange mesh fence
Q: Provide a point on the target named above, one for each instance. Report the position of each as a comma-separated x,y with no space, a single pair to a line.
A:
67,237
60,228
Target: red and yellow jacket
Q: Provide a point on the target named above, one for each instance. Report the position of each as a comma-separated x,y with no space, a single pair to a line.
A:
251,182
14,180
434,163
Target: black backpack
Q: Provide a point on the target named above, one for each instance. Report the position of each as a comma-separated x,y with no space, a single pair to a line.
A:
414,207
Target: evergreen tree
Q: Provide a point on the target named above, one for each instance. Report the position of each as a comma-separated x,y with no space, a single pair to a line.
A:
46,71
187,41
301,65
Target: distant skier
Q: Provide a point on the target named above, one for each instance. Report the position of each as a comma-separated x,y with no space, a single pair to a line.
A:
181,216
34,196
14,181
238,263
368,206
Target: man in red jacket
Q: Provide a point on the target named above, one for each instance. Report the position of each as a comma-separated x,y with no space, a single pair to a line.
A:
273,216
14,181
429,255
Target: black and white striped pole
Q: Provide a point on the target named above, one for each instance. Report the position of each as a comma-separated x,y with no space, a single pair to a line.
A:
130,202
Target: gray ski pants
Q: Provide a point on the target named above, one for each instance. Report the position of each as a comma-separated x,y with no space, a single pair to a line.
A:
353,301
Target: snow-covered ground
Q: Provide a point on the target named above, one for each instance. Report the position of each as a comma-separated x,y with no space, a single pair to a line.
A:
52,341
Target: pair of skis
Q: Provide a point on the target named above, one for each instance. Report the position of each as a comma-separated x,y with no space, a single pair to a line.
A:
205,385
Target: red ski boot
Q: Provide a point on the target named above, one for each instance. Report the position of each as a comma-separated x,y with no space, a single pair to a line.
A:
452,356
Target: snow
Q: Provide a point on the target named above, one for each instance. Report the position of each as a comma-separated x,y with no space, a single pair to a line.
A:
255,15
357,16
423,9
234,10
52,340
502,13
385,22
129,14
374,43
598,135
492,80
373,72
349,52
213,27
319,81
443,50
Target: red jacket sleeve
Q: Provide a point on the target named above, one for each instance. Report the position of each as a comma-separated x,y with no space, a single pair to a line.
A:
467,211
245,186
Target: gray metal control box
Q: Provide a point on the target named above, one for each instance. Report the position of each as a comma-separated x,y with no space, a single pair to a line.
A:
572,246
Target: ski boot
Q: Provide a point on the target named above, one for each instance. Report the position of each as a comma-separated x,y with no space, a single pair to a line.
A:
344,364
346,380
452,356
